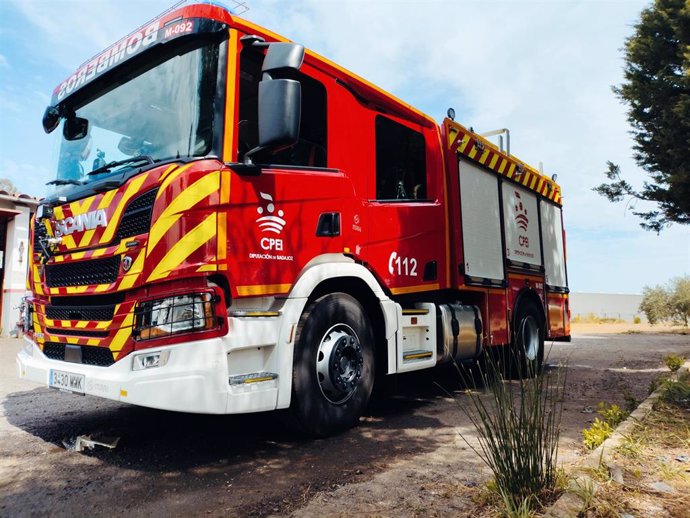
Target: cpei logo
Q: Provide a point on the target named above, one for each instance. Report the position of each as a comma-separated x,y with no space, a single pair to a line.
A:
520,213
269,222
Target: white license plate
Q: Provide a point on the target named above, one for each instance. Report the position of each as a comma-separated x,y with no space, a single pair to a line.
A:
67,381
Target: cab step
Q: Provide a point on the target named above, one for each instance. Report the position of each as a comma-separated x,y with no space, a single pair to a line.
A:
417,345
417,355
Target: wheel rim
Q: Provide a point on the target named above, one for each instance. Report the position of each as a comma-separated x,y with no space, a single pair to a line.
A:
339,362
530,337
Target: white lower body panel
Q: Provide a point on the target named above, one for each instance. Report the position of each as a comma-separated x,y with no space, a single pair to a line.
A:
194,379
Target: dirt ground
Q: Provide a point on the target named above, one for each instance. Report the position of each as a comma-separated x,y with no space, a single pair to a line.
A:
406,459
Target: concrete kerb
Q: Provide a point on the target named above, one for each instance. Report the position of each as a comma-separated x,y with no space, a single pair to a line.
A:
571,503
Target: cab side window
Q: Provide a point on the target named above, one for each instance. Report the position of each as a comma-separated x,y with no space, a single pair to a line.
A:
400,162
310,149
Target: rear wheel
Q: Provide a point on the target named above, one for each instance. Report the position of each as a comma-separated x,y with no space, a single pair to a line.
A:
333,372
528,341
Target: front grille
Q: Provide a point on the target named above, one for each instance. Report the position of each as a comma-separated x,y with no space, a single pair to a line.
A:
82,273
77,332
137,216
100,356
40,232
93,313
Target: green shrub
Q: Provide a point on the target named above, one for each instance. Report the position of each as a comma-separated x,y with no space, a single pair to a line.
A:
676,392
674,362
596,434
637,320
612,414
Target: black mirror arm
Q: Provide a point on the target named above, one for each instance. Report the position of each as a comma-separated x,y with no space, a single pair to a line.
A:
245,169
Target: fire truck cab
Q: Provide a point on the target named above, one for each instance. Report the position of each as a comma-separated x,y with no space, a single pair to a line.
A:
240,225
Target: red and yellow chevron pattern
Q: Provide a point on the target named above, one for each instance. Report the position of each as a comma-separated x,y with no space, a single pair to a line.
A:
183,242
478,149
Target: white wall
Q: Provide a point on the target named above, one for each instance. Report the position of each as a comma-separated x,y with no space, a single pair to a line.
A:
606,305
14,267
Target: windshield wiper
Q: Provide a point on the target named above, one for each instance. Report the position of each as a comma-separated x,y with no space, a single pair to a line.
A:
64,182
133,160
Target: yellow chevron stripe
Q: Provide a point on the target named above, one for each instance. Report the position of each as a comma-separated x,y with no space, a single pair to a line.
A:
105,202
263,289
186,200
123,333
492,164
415,289
76,289
503,165
485,155
49,228
207,268
452,134
80,207
170,177
68,242
221,254
463,144
167,172
511,170
38,285
473,152
132,189
185,247
77,255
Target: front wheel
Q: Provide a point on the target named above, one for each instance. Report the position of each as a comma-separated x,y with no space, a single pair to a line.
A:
333,371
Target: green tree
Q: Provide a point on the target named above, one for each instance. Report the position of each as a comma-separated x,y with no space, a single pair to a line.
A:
655,304
667,303
657,91
680,300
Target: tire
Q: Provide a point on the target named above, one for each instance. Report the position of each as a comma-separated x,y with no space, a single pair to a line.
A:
528,341
333,371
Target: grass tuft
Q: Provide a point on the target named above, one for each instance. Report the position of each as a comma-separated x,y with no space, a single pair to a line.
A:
518,426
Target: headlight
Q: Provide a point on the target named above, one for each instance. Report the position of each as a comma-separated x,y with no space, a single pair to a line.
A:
174,315
150,360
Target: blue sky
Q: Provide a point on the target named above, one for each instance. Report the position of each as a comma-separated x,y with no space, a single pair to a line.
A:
542,69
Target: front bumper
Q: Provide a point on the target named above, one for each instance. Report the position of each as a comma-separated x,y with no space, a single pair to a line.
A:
195,379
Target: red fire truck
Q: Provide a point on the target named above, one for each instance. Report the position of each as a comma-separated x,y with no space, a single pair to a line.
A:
240,225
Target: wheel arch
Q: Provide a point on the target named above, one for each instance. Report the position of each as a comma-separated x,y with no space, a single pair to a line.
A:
330,273
527,296
361,291
325,274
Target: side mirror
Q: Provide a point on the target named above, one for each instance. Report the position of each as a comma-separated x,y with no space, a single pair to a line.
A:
280,107
76,128
51,119
282,56
129,146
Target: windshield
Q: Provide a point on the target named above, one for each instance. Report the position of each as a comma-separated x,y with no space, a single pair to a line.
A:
165,112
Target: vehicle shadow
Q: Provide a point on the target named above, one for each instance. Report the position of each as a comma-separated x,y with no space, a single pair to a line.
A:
266,464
